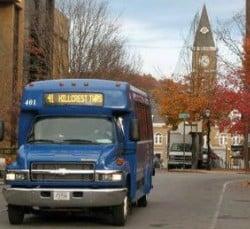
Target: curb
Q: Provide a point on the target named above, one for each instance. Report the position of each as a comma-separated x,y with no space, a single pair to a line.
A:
181,171
202,171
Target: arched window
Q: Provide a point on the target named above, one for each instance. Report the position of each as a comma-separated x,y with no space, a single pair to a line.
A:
158,139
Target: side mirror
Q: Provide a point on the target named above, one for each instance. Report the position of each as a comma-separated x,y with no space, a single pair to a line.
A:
135,130
1,130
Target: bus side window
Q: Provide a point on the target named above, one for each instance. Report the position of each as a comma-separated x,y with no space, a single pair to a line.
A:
144,119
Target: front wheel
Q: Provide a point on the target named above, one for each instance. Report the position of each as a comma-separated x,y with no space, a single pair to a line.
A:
15,214
120,212
143,201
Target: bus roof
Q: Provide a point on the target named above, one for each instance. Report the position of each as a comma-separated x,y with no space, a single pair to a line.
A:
117,94
78,84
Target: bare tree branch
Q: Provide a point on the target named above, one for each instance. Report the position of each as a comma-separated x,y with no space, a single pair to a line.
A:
96,43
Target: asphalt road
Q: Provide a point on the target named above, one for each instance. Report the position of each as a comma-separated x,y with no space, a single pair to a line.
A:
212,200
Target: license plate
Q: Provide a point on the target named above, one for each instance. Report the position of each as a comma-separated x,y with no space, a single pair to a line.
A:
61,195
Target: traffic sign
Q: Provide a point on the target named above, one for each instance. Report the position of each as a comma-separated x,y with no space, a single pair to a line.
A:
184,115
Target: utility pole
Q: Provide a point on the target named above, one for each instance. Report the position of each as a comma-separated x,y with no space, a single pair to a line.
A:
246,153
208,144
194,134
246,118
207,116
184,116
184,143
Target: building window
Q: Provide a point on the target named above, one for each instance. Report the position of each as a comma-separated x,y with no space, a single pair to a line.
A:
158,139
223,139
235,140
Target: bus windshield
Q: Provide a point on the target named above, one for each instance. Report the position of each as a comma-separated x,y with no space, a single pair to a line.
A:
73,130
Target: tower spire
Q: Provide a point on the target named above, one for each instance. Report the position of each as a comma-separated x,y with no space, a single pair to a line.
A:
204,34
204,61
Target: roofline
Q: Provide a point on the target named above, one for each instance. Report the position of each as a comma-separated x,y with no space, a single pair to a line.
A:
137,90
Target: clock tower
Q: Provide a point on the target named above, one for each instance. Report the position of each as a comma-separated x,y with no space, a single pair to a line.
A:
204,58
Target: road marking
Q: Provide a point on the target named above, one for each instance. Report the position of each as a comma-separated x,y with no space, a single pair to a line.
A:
219,204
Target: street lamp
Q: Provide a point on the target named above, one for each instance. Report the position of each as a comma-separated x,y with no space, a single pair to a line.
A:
166,158
207,115
184,116
194,131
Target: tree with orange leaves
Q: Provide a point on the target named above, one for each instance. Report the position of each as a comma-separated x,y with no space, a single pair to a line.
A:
174,98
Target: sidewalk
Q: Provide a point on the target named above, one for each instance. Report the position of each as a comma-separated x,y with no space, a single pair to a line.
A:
202,171
234,211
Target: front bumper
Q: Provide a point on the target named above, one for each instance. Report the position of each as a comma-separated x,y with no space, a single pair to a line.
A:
179,163
90,197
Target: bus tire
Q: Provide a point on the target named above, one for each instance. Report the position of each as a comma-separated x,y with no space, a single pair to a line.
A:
143,201
120,212
15,214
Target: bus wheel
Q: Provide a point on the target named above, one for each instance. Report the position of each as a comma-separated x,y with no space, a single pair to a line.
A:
15,214
143,201
120,212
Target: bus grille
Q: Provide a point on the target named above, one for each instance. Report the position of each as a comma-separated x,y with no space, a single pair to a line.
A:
62,171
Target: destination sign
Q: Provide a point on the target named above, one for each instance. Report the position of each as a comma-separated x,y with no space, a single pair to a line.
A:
92,99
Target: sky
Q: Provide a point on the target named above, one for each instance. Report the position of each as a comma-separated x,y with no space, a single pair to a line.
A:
155,29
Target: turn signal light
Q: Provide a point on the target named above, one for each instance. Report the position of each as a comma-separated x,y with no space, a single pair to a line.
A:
8,160
120,161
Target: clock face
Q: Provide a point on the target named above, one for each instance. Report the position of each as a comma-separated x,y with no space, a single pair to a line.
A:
204,61
204,30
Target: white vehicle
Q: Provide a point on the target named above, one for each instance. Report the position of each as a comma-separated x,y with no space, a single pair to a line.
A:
180,155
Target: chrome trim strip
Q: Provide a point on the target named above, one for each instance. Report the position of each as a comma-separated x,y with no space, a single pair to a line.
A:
68,171
61,171
107,171
66,189
89,160
18,171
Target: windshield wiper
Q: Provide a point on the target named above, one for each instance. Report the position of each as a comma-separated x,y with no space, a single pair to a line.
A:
43,141
80,141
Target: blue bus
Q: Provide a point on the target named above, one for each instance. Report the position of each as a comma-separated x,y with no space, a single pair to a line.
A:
83,143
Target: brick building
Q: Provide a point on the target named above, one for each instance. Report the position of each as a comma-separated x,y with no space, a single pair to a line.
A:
11,61
28,39
61,45
227,146
222,144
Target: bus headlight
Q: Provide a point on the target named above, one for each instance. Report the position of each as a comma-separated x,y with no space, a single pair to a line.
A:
10,176
16,176
109,177
117,177
20,176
